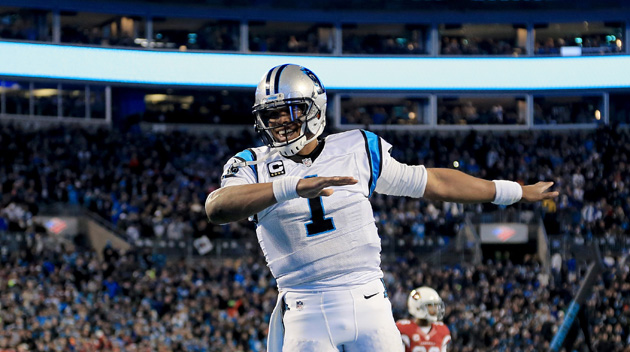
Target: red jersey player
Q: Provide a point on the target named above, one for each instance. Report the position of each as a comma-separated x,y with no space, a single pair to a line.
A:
425,332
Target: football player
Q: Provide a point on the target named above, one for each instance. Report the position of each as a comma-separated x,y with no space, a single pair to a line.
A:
425,332
309,197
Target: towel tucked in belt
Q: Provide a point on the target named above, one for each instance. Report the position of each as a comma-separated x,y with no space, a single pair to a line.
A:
275,337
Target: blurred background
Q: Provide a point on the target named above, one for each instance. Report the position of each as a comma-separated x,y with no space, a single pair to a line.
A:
104,241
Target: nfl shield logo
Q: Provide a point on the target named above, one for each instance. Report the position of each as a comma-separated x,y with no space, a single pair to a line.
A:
299,305
307,161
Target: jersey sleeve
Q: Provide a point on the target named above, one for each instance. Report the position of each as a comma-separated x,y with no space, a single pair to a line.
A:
404,326
377,150
398,179
236,172
446,346
445,333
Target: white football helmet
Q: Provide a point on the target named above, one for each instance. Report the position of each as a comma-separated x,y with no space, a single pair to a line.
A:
297,89
419,301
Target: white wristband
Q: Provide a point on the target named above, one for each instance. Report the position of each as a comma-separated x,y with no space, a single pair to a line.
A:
507,192
286,188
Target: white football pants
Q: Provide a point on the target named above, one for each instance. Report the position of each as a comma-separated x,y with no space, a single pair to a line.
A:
357,320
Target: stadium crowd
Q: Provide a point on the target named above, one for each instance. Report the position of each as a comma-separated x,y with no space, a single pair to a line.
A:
224,35
479,46
596,44
154,185
468,112
56,297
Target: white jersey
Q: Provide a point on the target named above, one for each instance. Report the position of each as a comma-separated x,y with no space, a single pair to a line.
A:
324,242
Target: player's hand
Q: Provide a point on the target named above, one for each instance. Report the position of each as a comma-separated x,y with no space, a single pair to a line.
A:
314,187
538,192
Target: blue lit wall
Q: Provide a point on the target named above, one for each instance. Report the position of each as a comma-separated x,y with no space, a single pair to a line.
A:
241,70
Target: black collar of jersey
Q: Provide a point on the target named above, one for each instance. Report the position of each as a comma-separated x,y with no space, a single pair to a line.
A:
313,155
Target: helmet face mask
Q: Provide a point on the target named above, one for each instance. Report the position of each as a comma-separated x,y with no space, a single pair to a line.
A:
290,108
294,110
282,126
425,303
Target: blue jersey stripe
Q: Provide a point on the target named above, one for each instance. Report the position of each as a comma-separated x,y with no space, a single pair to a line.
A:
249,155
373,149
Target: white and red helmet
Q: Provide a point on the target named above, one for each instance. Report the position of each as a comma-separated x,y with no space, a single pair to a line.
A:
294,87
419,301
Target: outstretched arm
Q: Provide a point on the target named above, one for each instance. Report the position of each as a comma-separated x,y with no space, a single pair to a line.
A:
455,186
450,185
234,203
238,202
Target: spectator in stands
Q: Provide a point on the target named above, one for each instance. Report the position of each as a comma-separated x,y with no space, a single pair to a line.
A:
204,304
37,173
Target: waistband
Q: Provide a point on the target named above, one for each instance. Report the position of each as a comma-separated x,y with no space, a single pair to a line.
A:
293,298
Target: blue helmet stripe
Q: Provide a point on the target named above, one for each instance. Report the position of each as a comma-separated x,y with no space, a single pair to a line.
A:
268,83
276,81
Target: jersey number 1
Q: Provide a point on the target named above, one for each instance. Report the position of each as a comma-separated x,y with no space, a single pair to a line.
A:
319,223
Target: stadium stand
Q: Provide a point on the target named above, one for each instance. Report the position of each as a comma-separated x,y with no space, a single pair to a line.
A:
120,154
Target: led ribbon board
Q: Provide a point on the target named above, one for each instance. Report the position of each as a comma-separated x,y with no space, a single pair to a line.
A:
356,73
